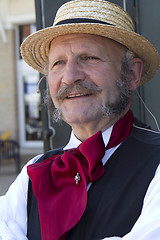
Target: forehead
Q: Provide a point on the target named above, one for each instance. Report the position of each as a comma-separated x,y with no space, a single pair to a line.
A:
87,42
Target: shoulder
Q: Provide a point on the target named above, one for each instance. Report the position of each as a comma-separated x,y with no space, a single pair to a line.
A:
146,135
50,154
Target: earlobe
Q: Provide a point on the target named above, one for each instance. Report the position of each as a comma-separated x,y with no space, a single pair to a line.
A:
137,70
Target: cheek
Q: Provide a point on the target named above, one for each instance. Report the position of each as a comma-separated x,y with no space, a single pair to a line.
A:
53,83
105,75
54,86
110,91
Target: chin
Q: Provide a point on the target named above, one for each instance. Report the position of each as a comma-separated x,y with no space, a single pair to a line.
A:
82,118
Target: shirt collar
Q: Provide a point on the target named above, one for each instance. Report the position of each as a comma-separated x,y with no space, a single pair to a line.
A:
74,142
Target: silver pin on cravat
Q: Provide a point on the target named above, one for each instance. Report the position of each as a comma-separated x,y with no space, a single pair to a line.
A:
77,178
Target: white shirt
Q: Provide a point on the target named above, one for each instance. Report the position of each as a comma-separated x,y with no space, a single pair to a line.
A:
13,205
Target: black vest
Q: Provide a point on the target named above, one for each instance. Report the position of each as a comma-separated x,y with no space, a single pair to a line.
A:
115,200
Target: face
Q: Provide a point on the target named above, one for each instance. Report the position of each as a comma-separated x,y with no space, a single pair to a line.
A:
83,71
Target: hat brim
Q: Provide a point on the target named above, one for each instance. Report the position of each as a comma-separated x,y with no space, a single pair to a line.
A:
35,48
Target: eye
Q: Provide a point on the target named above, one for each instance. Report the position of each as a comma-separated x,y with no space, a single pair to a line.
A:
56,64
89,58
92,58
59,62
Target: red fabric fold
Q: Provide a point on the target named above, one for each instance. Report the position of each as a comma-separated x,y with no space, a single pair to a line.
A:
121,130
61,201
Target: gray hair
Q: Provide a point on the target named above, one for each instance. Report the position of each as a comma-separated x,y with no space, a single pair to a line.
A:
126,75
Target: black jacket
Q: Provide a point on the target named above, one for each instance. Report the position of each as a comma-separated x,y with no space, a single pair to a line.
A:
115,200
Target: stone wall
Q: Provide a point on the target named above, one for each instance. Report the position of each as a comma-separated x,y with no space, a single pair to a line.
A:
8,87
19,7
12,14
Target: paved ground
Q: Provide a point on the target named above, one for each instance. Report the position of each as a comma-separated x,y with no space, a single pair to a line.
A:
8,173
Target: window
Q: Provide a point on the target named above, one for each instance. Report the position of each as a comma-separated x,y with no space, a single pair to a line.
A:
29,102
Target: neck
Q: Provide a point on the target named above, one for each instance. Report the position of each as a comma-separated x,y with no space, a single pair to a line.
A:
84,131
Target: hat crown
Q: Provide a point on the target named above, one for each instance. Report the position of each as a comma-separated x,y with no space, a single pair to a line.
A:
100,10
97,17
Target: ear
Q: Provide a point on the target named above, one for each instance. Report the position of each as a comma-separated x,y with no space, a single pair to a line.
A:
137,70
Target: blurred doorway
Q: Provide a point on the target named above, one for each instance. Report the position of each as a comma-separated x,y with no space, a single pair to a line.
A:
29,102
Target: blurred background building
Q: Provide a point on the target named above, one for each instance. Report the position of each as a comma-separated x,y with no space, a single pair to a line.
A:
19,103
20,110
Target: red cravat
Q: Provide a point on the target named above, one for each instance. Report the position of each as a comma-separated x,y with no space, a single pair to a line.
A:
60,182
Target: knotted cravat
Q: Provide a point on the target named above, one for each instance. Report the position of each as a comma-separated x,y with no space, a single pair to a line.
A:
60,182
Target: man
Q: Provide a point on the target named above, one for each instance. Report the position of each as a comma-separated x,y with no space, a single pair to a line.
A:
105,185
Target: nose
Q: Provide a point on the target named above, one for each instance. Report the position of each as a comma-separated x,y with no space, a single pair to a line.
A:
72,73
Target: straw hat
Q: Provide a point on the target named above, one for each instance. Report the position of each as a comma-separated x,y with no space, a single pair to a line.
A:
97,17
